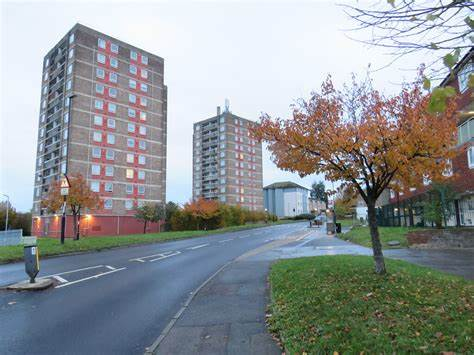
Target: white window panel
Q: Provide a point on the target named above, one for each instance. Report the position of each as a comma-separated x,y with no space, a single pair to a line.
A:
129,189
110,123
108,204
129,173
101,43
114,48
96,152
95,169
142,130
141,160
110,139
110,154
98,120
97,137
109,187
95,186
128,204
130,158
109,170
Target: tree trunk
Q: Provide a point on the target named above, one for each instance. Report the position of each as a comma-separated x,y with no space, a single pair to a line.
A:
75,225
374,235
144,227
78,229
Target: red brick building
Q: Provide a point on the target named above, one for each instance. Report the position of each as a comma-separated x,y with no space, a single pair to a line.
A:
404,208
103,115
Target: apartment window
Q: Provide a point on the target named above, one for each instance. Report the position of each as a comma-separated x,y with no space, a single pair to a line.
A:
71,38
141,160
109,187
45,76
222,189
130,158
108,204
69,84
98,120
100,73
110,139
95,186
95,169
144,73
144,59
141,189
112,107
45,90
141,174
222,171
132,98
129,189
99,104
143,101
129,173
142,145
109,170
71,53
65,134
128,204
110,154
222,162
101,43
132,113
114,48
43,117
222,154
101,58
133,69
110,123
99,88
64,150
43,104
96,152
113,62
143,116
144,87
69,69
466,131
113,92
130,142
470,157
133,55
223,181
463,76
113,77
222,128
222,137
142,130
41,146
222,145
97,137
40,161
131,127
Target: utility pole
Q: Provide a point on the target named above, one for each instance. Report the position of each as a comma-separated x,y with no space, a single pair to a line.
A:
8,207
65,185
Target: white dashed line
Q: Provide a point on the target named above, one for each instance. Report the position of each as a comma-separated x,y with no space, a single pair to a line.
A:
165,256
60,279
225,240
90,277
198,246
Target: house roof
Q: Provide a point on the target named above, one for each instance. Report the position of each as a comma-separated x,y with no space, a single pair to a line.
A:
284,185
459,65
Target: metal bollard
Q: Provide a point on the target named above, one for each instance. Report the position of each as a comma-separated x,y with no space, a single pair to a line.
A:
31,255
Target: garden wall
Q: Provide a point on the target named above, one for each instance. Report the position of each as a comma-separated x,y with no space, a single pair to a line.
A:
442,238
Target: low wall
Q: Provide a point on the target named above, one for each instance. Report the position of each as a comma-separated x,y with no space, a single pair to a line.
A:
442,238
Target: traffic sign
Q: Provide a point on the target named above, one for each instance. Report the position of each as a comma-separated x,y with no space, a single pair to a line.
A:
64,191
65,182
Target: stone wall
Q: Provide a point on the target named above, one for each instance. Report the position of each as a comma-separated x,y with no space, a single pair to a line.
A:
442,238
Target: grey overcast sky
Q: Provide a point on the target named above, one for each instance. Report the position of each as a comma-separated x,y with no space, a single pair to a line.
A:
260,55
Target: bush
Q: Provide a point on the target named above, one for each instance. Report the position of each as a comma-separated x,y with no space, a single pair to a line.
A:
304,216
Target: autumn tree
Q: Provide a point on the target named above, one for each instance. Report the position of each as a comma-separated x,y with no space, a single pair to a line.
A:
147,213
363,139
202,210
344,202
80,197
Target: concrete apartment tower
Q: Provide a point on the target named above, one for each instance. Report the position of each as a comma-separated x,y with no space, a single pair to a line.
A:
102,114
227,161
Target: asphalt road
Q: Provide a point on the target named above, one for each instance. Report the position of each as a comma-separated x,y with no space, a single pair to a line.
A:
117,301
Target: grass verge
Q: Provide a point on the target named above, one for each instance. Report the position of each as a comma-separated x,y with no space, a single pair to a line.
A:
52,246
329,304
361,235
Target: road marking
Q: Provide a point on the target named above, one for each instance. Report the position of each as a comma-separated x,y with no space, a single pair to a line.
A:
225,240
165,256
110,267
198,246
90,277
60,279
142,258
76,270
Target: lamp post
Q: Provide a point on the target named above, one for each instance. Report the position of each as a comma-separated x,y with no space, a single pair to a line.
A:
65,185
8,207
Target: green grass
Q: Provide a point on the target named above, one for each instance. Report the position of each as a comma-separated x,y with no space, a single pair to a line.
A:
337,303
52,246
346,222
361,235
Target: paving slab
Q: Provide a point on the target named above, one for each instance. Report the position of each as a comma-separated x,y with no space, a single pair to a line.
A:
40,284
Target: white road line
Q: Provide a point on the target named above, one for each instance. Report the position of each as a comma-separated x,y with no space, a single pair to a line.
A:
90,277
70,272
60,279
110,267
141,258
165,256
198,246
225,240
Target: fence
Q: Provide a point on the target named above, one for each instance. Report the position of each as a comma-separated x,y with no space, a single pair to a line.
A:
11,237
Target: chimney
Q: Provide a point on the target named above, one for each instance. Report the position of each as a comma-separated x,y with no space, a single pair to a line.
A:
218,110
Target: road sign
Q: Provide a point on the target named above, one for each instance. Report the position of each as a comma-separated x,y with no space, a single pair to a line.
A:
64,191
65,182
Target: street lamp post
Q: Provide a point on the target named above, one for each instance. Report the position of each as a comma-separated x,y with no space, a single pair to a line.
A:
65,185
8,207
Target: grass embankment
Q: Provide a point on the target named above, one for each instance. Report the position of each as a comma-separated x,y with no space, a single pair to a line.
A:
361,235
337,303
52,246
